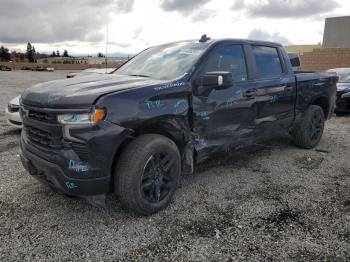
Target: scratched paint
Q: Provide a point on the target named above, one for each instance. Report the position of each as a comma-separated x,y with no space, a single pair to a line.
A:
230,101
202,143
154,104
274,99
70,185
179,103
51,98
204,115
77,167
180,106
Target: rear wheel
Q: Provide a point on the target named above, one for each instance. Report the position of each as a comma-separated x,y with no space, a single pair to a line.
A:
308,134
147,174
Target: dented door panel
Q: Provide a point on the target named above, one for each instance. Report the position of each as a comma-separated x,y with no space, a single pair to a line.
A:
223,120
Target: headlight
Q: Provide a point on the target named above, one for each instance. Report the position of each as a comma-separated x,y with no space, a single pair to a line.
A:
86,118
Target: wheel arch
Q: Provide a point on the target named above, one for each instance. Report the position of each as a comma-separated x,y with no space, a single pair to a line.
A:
176,129
323,102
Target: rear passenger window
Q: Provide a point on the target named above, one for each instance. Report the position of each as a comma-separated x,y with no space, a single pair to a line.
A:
268,63
228,58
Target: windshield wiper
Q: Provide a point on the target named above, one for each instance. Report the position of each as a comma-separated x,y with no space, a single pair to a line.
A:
139,75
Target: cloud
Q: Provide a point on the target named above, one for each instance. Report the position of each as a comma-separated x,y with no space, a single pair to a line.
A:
184,7
238,5
44,21
285,8
137,33
203,15
122,45
258,34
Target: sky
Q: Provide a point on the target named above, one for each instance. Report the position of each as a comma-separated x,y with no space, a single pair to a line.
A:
80,26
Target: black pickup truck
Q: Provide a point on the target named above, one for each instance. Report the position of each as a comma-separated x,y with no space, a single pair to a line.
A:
133,132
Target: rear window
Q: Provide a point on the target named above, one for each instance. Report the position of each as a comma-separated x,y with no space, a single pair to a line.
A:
268,63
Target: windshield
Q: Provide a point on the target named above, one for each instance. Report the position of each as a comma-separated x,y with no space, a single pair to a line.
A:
164,62
343,74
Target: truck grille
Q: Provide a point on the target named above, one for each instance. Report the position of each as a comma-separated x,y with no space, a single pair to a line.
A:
43,138
42,116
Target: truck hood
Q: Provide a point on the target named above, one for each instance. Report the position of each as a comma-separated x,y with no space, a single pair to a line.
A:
81,92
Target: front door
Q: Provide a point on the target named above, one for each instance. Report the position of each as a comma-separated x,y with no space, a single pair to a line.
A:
223,119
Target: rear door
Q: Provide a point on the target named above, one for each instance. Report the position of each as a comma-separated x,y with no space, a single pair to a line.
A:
274,91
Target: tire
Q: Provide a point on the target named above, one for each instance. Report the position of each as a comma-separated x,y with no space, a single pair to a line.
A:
308,134
147,174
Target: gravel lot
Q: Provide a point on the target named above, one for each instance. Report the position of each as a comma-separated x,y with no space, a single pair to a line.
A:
267,202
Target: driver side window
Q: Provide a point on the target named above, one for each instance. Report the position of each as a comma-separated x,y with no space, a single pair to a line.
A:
228,58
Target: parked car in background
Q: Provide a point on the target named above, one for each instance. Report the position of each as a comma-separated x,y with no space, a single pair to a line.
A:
91,71
12,113
343,89
5,68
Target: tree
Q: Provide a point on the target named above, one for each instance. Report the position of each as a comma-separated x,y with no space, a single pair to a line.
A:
53,54
29,52
34,54
100,55
65,53
22,56
58,53
4,54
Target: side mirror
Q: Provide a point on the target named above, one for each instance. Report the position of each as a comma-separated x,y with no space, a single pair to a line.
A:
214,80
217,80
294,59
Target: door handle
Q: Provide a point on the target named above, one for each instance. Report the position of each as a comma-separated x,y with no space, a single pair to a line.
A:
250,93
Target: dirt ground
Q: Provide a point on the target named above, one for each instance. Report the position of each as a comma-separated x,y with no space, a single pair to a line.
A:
269,202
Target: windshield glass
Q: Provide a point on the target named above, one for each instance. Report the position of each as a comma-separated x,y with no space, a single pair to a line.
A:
164,62
344,75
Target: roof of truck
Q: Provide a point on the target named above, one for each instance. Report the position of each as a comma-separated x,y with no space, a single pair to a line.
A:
243,41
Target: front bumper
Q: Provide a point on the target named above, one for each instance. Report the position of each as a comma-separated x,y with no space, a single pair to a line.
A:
52,175
74,169
13,118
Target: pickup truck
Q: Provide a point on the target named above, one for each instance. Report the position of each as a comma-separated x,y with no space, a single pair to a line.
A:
135,131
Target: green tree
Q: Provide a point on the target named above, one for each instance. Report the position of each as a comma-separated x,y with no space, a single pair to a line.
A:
100,55
58,53
22,56
29,52
65,53
53,54
4,54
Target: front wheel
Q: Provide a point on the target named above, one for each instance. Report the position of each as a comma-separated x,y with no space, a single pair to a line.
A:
147,174
310,131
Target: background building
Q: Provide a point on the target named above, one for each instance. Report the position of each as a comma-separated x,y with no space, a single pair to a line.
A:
335,49
337,32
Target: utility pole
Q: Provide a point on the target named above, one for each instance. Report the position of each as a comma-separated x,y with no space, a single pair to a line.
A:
106,59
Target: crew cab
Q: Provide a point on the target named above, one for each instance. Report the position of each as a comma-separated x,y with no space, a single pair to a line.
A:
135,131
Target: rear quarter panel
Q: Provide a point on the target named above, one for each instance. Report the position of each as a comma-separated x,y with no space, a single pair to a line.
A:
313,86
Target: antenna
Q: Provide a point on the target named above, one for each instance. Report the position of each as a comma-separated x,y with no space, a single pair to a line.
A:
106,49
204,38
